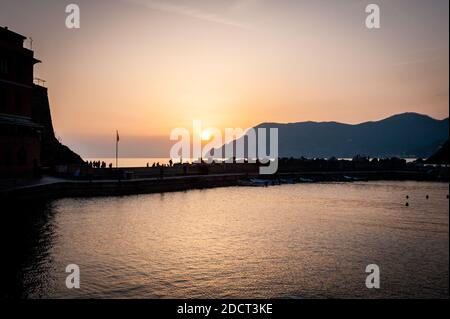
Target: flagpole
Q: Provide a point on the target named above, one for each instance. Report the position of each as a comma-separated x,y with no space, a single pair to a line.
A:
117,149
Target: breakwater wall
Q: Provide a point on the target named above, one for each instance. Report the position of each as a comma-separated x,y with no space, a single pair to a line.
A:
77,188
90,188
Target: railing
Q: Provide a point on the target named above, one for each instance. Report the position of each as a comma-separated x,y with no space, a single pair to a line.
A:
28,43
39,82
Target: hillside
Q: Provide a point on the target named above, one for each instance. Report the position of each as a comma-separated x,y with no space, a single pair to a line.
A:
402,135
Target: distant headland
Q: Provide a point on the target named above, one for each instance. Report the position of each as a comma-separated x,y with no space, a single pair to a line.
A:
407,135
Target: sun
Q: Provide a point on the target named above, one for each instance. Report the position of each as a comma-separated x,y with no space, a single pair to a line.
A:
206,135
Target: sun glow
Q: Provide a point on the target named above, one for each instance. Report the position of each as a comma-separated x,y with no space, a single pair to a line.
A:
206,135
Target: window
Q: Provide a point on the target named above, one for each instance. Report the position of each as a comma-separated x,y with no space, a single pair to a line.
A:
3,66
22,156
3,100
22,75
7,157
18,102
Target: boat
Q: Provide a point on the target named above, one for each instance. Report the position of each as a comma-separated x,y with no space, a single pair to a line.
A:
255,182
353,179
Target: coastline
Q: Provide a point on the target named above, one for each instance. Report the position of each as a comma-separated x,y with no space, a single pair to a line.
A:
53,188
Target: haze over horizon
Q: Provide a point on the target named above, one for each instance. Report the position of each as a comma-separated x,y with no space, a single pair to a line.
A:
139,147
145,67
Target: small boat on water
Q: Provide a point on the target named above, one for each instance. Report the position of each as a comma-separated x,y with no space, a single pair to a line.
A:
255,182
353,179
287,181
261,182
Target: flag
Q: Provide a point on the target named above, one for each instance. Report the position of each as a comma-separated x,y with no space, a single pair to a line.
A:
117,136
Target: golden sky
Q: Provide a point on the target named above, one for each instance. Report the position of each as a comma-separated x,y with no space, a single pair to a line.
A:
145,67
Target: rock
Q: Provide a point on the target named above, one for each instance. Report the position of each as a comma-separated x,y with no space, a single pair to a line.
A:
52,151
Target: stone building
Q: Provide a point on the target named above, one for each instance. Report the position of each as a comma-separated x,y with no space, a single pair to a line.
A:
20,136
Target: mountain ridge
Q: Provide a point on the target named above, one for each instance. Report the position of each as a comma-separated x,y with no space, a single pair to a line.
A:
404,135
425,116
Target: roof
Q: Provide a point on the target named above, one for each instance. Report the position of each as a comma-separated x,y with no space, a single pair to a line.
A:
6,31
15,41
9,36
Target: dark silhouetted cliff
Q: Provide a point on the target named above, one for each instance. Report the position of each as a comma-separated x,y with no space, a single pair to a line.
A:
441,156
52,151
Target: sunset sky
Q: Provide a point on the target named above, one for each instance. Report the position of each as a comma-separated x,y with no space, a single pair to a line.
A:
145,67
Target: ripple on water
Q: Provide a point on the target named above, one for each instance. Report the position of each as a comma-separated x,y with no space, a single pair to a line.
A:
289,241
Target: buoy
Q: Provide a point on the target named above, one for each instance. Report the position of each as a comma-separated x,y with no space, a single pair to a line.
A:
407,196
407,204
427,197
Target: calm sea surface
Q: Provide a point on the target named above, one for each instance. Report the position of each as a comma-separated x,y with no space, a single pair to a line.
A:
289,241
